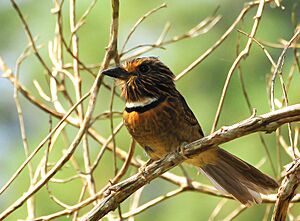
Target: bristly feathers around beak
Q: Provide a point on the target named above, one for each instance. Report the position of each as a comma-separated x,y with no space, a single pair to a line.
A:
142,78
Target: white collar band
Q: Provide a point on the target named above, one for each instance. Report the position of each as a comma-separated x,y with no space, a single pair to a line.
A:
142,103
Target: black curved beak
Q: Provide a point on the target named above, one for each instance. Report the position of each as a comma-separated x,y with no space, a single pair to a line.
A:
116,72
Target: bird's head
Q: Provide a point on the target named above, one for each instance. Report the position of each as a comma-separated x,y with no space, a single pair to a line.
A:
143,78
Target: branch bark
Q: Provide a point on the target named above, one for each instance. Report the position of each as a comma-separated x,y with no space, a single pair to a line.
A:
267,122
110,53
287,191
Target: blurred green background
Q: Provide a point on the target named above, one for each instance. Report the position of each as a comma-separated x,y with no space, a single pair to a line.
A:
201,87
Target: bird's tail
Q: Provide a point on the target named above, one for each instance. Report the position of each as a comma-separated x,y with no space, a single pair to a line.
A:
234,176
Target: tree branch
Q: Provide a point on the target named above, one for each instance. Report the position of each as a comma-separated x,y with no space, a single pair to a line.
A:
110,53
286,191
267,122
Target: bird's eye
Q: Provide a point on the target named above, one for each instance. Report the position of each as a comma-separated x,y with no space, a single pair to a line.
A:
143,68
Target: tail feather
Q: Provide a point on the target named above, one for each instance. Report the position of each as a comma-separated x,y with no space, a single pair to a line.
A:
255,176
236,177
231,184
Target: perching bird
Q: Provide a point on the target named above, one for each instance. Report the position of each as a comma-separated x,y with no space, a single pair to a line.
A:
159,119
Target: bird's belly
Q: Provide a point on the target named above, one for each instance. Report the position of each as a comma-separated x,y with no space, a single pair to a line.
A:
154,130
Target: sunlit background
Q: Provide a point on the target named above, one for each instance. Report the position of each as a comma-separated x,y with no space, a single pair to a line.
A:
201,87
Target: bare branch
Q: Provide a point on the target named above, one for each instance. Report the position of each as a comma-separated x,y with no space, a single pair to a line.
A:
62,98
287,191
85,124
30,37
219,41
279,67
267,122
243,54
139,22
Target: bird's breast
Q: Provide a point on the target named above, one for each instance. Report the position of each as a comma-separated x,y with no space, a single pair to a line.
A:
155,129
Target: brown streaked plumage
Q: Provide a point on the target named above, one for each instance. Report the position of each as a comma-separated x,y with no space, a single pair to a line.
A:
159,119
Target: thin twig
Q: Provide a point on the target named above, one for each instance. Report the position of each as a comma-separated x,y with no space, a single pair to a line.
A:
81,20
30,37
243,54
235,213
203,27
78,92
30,201
219,41
126,164
278,70
104,147
250,107
84,187
279,67
217,209
135,202
164,5
37,149
152,203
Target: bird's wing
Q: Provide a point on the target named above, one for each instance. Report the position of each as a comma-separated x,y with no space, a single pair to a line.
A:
188,114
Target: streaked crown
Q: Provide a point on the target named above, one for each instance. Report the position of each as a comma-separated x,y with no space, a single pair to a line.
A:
142,78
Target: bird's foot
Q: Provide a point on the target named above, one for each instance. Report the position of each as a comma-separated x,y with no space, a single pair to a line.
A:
111,188
181,150
142,169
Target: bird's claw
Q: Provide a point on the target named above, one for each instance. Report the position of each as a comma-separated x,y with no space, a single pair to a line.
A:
110,188
142,169
181,150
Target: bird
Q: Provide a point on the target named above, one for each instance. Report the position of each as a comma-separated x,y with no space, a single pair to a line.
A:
160,120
